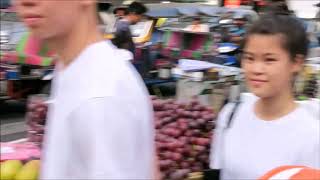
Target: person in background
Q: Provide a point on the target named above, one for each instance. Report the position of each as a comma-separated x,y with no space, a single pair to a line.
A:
268,129
312,31
123,36
120,12
197,26
104,17
238,32
100,121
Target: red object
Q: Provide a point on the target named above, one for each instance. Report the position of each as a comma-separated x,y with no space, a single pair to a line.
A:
262,3
292,173
232,3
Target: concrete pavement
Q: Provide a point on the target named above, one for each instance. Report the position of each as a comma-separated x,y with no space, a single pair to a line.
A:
12,121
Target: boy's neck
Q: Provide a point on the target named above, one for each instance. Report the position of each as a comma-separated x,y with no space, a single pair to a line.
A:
275,107
71,44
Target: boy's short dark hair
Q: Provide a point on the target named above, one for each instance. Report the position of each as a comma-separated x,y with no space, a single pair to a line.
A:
295,39
137,8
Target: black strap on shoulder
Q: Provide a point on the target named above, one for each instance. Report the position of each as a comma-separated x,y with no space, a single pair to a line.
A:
233,112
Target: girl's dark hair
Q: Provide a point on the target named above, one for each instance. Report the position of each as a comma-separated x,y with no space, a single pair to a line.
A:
137,8
295,39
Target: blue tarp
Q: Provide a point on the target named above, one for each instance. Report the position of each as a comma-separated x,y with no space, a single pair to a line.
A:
212,10
189,10
163,12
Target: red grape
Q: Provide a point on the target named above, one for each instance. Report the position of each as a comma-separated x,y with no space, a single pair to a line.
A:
183,136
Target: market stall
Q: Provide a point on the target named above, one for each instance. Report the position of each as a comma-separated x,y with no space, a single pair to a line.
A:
184,123
22,70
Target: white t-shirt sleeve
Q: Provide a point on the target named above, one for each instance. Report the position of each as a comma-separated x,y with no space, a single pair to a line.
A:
217,140
110,142
310,156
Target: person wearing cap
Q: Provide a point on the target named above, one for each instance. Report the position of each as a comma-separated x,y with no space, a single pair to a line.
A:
237,33
120,12
123,36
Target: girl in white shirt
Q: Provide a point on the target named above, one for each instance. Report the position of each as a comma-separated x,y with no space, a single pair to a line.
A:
271,129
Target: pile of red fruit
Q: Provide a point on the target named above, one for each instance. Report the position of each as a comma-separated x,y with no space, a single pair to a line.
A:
183,134
183,137
36,117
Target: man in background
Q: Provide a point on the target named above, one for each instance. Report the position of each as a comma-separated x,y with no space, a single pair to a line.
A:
123,36
238,32
120,12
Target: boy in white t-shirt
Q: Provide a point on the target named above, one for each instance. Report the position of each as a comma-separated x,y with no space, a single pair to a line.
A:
270,129
100,123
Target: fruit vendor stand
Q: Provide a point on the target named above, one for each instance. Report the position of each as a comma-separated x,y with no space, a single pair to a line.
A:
183,136
22,70
20,159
